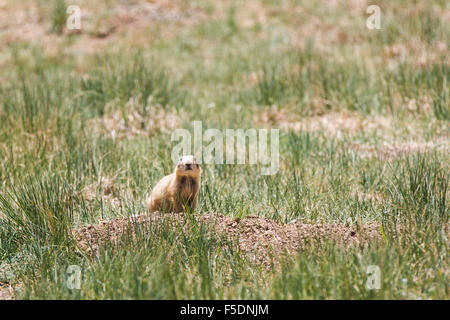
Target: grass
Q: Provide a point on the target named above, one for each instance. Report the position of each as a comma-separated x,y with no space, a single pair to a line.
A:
228,64
58,16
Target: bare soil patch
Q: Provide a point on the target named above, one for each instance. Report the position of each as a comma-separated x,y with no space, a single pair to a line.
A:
119,125
101,23
390,151
260,238
398,139
5,291
331,124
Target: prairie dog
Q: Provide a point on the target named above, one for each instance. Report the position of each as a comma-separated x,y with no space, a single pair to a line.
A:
177,192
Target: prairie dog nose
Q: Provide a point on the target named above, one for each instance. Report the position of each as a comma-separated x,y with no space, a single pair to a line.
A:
188,166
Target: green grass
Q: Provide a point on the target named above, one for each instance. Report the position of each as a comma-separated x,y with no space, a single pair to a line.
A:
59,16
225,74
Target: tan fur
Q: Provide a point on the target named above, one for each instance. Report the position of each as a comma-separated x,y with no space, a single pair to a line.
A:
177,192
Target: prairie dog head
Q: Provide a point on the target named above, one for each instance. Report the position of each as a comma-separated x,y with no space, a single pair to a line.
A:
187,166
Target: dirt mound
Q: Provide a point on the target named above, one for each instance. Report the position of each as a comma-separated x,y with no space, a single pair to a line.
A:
259,238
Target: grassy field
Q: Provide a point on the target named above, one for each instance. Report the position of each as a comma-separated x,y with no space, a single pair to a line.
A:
86,121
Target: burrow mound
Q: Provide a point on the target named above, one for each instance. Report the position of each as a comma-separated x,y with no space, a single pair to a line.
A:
260,238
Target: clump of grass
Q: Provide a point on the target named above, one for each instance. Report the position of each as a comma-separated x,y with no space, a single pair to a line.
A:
58,16
38,213
442,102
137,77
419,193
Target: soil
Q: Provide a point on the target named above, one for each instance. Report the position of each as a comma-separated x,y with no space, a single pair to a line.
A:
5,291
260,238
